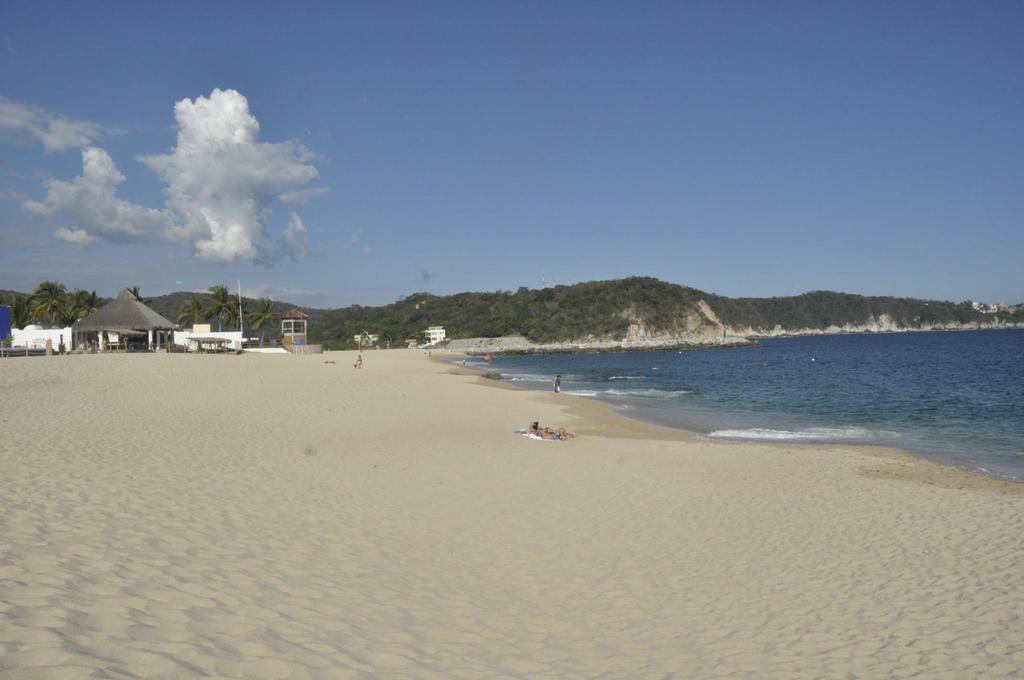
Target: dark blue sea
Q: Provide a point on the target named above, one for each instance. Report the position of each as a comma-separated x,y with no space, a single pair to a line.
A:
956,397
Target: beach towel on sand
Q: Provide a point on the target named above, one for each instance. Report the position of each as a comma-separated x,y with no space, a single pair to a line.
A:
530,435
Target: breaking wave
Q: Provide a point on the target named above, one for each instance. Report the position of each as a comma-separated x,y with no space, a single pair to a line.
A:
648,393
809,434
651,393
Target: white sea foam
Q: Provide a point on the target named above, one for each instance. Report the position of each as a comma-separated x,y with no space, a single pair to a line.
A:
647,393
626,377
541,378
652,393
809,434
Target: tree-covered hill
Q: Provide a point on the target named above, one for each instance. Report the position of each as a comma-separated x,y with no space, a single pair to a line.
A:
602,309
612,310
824,309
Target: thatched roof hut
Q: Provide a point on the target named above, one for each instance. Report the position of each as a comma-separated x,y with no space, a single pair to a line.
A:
125,314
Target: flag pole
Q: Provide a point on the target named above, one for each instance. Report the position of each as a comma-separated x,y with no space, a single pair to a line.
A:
241,340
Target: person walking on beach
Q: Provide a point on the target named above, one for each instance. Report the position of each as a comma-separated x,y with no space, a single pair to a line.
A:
558,383
359,361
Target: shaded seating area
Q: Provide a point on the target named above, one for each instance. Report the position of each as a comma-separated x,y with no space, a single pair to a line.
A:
125,339
124,324
208,344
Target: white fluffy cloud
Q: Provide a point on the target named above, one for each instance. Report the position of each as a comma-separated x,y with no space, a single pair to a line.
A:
220,182
55,132
301,196
76,237
91,203
296,237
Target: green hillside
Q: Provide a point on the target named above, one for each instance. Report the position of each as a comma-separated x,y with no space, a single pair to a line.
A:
607,309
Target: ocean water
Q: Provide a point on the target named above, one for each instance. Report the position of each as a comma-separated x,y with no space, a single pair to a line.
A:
956,397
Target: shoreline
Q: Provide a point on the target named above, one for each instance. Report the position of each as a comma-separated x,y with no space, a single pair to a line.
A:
520,346
590,408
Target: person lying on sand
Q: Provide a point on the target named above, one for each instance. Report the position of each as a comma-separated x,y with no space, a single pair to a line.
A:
547,433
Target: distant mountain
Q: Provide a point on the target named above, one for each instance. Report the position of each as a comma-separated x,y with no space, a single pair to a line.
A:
643,310
632,312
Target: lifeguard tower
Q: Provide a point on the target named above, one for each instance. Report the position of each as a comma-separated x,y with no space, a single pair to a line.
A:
294,325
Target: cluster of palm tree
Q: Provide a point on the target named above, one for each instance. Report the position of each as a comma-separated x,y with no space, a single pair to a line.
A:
224,307
51,304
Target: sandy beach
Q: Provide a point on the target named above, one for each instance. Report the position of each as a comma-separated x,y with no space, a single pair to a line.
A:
173,516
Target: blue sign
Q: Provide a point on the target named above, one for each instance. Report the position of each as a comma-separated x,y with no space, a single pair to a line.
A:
299,341
5,322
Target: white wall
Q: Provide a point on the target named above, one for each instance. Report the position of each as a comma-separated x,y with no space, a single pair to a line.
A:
36,338
181,337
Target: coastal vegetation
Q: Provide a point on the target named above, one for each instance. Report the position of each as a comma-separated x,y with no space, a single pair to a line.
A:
191,312
607,309
262,317
590,310
51,303
222,307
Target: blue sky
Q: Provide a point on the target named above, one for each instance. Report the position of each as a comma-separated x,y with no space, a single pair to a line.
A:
742,148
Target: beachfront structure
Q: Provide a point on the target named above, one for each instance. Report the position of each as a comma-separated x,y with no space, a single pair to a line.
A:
435,334
201,339
36,337
365,339
294,327
123,323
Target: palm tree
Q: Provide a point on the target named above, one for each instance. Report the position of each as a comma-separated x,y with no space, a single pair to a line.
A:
83,303
191,312
230,314
261,316
134,290
67,315
49,301
221,306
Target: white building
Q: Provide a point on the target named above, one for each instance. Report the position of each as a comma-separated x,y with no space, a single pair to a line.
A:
986,308
35,337
366,339
201,334
435,334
